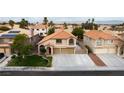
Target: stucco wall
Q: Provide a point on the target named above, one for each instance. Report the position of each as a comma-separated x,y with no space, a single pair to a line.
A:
6,51
105,48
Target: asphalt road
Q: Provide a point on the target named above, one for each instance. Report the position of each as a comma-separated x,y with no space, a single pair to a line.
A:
61,73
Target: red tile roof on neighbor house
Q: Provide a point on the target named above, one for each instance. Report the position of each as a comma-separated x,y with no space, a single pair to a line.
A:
39,26
58,35
95,34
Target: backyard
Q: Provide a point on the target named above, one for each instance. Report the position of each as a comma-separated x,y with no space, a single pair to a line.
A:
33,60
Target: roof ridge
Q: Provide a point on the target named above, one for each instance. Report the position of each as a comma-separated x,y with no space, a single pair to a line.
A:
56,33
70,34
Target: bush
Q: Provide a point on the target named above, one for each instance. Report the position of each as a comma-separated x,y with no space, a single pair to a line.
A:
13,56
89,49
51,31
4,28
42,50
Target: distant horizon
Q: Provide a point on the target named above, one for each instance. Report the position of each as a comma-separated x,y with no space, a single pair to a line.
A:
109,20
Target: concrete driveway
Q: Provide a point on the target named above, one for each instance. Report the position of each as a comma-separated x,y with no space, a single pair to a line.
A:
72,60
111,60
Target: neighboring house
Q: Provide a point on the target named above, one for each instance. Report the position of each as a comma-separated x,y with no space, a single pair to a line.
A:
60,42
104,27
101,42
121,44
6,39
40,28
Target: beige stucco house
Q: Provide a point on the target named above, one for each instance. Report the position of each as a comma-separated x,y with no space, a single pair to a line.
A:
40,29
60,42
101,42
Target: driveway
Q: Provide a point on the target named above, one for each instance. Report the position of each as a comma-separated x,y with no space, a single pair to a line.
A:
72,60
5,62
111,60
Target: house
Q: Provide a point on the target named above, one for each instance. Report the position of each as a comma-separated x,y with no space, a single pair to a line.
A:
7,37
40,28
60,42
101,42
121,44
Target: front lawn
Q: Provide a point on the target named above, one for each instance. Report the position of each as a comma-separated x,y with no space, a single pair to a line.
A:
33,60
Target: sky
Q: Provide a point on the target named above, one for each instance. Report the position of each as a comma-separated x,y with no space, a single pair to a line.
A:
61,19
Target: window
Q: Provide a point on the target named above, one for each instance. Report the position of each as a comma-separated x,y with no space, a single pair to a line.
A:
99,42
107,42
110,41
71,42
59,41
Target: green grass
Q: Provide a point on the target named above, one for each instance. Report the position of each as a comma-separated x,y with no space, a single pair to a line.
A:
33,60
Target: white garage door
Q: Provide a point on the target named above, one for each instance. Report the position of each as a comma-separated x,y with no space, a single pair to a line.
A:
63,51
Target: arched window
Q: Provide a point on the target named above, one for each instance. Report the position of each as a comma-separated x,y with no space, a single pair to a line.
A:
71,41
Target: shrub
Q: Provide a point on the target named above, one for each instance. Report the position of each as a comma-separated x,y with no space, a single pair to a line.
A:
13,56
89,49
4,28
42,50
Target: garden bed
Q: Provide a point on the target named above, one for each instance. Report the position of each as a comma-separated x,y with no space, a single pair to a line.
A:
33,60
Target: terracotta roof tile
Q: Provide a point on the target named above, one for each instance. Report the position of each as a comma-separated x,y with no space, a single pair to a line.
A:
95,34
39,26
58,35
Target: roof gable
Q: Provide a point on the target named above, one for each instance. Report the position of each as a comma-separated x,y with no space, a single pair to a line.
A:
58,35
99,35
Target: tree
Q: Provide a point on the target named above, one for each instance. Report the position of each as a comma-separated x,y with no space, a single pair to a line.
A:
93,20
78,32
88,20
89,25
51,24
11,23
23,24
51,30
21,46
42,50
45,21
96,26
65,26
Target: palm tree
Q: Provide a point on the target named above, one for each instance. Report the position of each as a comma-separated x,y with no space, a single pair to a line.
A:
93,23
11,23
45,22
88,20
51,24
93,20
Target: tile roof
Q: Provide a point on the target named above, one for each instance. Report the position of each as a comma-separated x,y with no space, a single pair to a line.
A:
95,34
58,35
39,26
